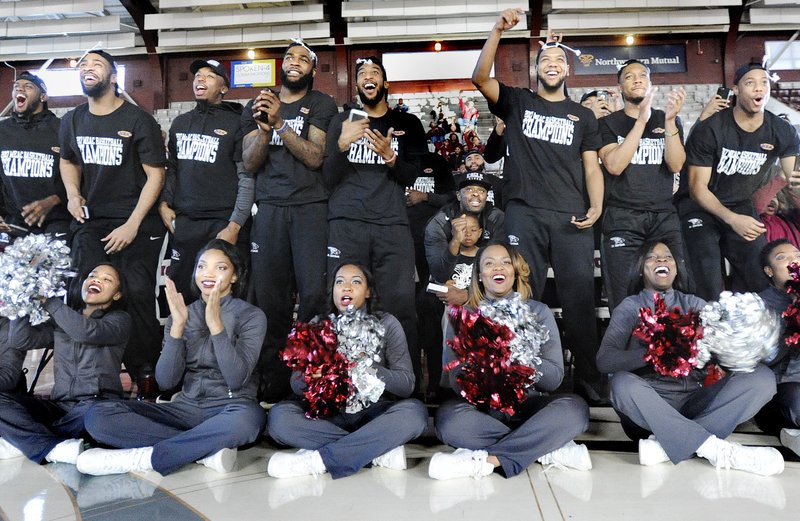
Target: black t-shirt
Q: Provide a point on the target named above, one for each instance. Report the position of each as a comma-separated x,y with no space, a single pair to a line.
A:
285,180
434,178
739,160
29,156
362,187
543,166
462,271
204,145
110,151
646,183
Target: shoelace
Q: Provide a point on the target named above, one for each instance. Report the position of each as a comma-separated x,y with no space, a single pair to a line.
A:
477,468
724,455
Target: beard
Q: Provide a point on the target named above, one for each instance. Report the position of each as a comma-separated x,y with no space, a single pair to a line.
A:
97,89
379,97
636,100
475,167
302,83
558,87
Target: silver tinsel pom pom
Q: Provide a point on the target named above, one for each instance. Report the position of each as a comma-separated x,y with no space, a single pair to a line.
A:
360,338
35,266
739,331
529,333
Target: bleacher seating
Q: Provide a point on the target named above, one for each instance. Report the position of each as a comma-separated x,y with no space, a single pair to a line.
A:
422,103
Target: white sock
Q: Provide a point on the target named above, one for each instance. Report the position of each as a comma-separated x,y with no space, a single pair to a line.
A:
708,449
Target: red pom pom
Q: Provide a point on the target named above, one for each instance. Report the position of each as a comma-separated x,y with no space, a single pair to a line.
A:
487,379
791,316
311,348
671,338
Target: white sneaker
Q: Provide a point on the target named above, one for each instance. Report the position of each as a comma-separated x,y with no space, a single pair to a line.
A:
463,463
571,455
790,438
302,463
764,461
8,451
395,459
65,452
101,462
223,461
651,452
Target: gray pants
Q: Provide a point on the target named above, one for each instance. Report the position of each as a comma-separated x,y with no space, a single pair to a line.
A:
682,414
348,442
180,432
35,426
542,425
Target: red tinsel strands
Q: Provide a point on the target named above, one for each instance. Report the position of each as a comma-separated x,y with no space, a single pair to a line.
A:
793,284
487,379
714,374
671,338
791,316
311,348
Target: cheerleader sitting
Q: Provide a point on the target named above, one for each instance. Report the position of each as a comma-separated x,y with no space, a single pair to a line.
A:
543,427
684,416
212,345
368,431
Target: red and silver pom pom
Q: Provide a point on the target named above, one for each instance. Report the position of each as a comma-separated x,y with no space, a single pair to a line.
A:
488,377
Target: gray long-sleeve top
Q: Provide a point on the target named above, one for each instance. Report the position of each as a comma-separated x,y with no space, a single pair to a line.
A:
552,366
214,367
620,350
394,367
87,351
11,360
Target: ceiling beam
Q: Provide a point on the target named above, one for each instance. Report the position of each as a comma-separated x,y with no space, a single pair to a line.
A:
138,9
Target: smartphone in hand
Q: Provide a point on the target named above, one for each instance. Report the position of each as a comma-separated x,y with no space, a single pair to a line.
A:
357,115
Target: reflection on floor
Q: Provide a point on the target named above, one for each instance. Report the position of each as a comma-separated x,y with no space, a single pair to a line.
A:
616,488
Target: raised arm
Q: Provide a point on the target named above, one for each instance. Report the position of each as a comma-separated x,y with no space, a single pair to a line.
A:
490,87
617,156
113,328
674,151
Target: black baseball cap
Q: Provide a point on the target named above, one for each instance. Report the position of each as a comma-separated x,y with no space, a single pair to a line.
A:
107,57
471,151
744,69
36,80
473,178
587,96
214,65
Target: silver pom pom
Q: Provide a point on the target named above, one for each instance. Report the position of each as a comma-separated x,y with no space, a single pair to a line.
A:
360,339
529,333
32,268
739,331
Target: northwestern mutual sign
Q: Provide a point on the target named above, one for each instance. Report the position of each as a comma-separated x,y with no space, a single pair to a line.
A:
607,60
